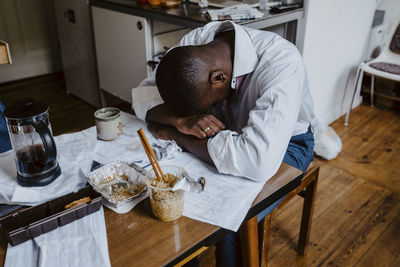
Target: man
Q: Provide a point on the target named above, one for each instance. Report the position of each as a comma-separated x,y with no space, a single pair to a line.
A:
238,98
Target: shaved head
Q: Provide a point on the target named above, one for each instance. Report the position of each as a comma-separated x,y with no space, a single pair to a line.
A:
193,79
182,79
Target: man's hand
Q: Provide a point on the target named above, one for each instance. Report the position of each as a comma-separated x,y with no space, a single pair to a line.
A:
201,126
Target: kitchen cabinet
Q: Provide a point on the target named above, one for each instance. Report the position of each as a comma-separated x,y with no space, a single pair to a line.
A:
125,44
129,35
123,47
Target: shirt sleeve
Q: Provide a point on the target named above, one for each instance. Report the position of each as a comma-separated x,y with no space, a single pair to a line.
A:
257,151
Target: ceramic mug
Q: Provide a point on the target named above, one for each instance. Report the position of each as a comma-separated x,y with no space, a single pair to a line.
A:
108,123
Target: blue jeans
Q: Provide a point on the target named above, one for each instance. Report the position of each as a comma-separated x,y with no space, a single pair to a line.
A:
4,137
299,154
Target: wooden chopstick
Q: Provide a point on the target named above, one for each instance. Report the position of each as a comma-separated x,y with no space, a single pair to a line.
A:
150,154
150,158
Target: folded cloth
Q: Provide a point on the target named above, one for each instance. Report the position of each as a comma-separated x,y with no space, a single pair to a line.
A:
80,243
238,12
75,153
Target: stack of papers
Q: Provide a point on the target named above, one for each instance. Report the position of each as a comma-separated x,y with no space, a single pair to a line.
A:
238,12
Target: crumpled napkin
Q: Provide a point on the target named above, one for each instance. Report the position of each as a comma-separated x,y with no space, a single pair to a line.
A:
166,149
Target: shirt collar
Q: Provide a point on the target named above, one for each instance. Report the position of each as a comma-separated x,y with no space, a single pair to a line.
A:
245,57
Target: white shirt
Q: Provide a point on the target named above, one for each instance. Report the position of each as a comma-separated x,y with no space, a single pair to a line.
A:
272,105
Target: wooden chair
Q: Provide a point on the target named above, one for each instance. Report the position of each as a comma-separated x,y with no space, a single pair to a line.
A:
307,190
249,238
255,253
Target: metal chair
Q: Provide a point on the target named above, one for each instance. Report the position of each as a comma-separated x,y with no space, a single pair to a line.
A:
386,65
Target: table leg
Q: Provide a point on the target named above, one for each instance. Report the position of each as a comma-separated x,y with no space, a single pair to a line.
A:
249,242
265,232
308,209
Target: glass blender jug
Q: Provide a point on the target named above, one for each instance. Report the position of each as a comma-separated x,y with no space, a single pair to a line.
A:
32,142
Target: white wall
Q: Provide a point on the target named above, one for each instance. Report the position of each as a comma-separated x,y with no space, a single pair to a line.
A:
29,27
335,40
392,11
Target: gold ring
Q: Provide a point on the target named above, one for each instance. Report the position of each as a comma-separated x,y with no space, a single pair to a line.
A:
206,129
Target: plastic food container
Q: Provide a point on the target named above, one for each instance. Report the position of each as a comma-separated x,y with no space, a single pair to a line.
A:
166,203
35,221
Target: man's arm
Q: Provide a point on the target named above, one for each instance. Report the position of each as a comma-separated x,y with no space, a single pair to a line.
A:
190,143
162,115
200,126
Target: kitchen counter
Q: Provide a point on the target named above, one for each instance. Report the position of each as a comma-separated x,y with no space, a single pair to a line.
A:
190,15
140,33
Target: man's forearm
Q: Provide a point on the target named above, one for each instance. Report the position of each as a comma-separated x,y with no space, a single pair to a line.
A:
162,115
194,145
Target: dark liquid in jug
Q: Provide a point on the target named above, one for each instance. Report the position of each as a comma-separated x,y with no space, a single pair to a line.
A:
32,160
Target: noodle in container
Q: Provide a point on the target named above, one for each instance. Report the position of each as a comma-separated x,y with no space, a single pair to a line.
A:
166,199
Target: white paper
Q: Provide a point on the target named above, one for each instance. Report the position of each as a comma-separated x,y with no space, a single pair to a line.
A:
238,12
75,153
80,243
225,200
127,147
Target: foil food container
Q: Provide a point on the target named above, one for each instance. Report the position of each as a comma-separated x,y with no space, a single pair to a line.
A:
119,183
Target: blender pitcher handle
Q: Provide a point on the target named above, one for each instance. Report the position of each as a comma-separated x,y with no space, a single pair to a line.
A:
48,141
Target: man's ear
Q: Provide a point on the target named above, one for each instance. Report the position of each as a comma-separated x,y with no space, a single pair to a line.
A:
217,77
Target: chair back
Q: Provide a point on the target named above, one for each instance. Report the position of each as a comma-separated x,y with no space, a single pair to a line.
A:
392,46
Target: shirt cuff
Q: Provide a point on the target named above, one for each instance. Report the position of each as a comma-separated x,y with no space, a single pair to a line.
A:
145,98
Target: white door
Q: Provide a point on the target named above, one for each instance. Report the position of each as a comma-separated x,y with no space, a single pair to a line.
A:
77,53
123,47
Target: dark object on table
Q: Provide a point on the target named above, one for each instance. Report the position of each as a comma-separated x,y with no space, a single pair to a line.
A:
32,141
284,8
7,209
4,138
34,221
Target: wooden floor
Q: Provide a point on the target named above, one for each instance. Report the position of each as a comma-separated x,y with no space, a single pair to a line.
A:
67,112
357,213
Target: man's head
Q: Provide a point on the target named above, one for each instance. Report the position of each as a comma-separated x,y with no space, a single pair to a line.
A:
192,79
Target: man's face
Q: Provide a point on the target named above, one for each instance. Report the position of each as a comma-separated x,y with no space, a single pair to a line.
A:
211,98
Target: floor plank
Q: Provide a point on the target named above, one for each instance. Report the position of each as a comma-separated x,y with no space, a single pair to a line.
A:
67,112
385,247
336,222
357,209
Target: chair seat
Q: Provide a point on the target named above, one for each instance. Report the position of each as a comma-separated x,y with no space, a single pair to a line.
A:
386,67
368,68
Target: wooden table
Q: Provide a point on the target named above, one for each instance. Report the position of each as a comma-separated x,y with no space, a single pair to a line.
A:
137,239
